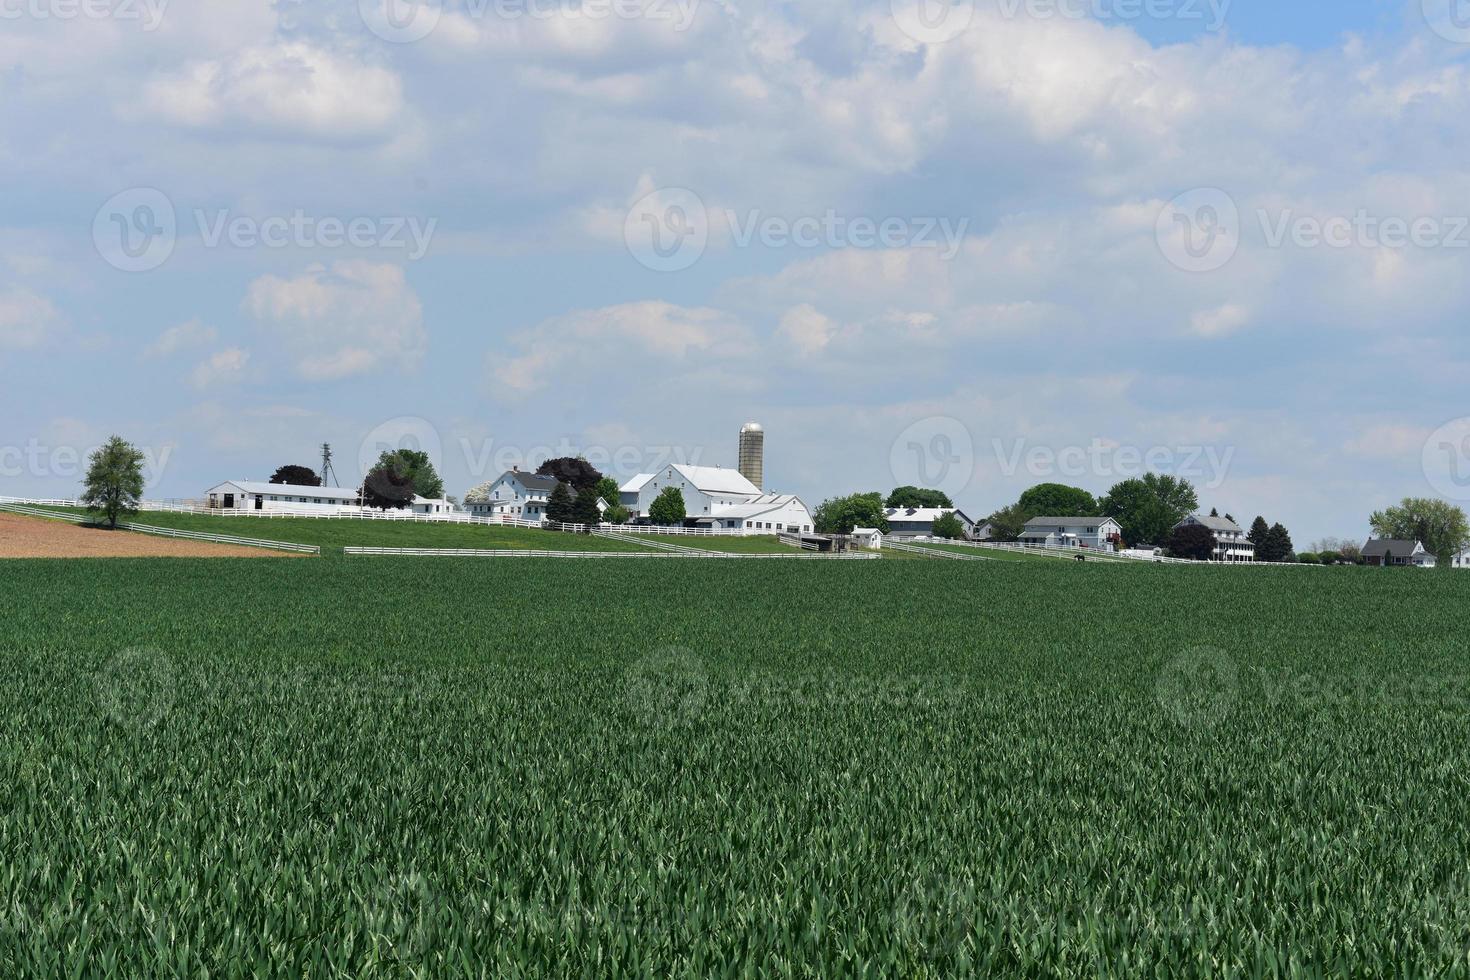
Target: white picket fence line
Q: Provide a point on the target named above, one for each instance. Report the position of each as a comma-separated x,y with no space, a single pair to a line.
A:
168,532
932,552
716,555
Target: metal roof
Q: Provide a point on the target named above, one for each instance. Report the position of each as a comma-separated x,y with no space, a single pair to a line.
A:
288,490
715,479
1214,523
1383,546
1041,522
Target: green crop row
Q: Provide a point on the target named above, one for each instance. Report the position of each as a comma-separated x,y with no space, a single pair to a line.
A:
565,769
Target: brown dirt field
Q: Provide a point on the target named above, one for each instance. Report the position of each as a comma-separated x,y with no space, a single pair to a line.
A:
35,537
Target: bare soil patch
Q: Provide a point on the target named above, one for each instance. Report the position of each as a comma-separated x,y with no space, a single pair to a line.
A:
35,537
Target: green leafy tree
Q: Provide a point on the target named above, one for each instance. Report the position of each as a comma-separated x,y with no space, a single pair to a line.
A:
918,497
561,507
1329,557
667,508
617,514
840,515
1193,541
296,476
1057,500
1149,507
1309,558
608,489
949,526
571,469
399,476
1008,523
114,483
1278,546
585,509
1439,526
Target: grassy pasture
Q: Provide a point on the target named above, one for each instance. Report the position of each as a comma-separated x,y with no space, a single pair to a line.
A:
542,768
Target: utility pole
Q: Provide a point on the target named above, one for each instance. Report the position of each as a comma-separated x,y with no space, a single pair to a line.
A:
329,475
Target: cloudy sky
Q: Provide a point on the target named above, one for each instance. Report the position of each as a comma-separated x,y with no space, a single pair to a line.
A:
976,247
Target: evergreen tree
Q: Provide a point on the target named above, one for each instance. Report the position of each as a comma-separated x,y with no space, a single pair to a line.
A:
585,510
1259,530
1214,512
1278,547
560,507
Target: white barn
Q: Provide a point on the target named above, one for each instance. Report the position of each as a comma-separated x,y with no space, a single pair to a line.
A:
768,514
719,499
248,495
907,523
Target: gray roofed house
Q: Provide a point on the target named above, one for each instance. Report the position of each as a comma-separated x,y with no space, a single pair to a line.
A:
1385,552
1093,533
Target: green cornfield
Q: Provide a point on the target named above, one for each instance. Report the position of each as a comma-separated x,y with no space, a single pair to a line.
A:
539,768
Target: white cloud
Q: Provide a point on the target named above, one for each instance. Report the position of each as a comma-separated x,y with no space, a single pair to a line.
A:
288,87
27,319
1220,322
355,317
191,334
225,367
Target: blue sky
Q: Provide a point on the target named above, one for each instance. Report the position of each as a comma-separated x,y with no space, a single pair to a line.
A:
981,247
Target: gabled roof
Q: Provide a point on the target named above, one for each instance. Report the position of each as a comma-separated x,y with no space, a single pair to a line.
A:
1214,523
290,490
1380,547
715,479
531,481
1040,522
755,508
636,484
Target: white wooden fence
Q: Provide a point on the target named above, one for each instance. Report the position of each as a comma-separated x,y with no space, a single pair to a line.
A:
718,555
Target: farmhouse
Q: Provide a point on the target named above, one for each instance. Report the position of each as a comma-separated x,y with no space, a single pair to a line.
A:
1385,552
517,495
1461,559
246,495
1100,533
907,523
1231,543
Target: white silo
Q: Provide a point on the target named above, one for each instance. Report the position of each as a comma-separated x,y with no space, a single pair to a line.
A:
753,453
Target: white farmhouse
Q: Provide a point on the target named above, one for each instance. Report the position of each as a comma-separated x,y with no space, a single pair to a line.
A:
521,496
1231,543
279,497
1098,533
